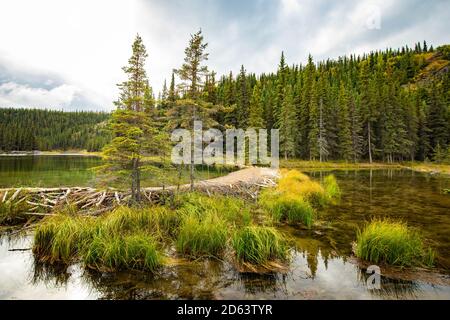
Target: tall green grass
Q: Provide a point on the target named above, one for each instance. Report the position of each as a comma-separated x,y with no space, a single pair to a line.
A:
230,209
392,242
202,236
258,245
331,187
134,238
117,252
285,206
60,238
10,213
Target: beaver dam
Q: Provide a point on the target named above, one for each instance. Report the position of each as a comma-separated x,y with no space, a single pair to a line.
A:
254,233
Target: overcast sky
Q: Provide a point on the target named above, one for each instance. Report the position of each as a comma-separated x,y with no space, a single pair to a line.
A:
68,54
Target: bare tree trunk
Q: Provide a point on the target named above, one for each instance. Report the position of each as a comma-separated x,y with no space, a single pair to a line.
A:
136,182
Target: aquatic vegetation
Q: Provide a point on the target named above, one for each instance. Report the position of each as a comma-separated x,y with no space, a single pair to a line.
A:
202,236
295,196
11,212
392,242
157,220
231,209
331,187
61,237
259,244
116,252
285,206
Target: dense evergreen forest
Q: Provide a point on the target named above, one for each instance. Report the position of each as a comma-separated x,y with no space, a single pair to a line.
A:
391,105
33,129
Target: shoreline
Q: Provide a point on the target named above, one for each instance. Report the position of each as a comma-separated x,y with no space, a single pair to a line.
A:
51,153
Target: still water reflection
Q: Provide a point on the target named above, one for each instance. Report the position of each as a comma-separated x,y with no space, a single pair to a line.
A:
321,266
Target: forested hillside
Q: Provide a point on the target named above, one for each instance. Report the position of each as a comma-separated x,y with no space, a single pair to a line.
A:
389,105
31,129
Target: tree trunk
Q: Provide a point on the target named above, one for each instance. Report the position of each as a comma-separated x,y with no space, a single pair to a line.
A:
370,143
136,182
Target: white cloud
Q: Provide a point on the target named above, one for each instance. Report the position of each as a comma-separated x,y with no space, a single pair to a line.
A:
16,95
83,44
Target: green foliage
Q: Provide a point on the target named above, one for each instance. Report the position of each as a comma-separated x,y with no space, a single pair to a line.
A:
10,212
393,243
60,238
231,209
258,245
289,207
295,196
135,251
202,236
33,129
331,187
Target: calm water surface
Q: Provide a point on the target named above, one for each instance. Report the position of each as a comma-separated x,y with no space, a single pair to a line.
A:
321,266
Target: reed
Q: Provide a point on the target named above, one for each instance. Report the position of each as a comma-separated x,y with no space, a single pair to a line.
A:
392,242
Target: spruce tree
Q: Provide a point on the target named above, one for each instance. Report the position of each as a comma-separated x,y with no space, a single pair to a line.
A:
134,133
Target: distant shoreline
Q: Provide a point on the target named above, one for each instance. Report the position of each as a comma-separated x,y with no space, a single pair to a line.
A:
82,153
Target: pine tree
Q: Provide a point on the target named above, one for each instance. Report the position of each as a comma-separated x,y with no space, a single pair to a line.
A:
355,128
192,74
243,101
134,134
314,124
287,124
256,108
172,92
344,133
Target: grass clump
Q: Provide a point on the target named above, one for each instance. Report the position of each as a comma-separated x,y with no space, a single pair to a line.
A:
331,187
288,207
394,243
202,236
116,252
292,200
11,213
60,238
258,245
231,209
157,220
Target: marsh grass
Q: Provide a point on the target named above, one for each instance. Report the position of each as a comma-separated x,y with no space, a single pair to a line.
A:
11,213
259,245
394,243
295,196
285,206
134,238
332,190
59,238
202,236
116,252
231,209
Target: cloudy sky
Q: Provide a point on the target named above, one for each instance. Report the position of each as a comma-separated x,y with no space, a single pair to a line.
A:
68,54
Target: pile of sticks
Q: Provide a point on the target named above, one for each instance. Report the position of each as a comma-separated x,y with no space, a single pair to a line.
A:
90,201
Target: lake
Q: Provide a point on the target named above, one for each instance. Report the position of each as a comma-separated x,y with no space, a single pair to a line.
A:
321,265
74,170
